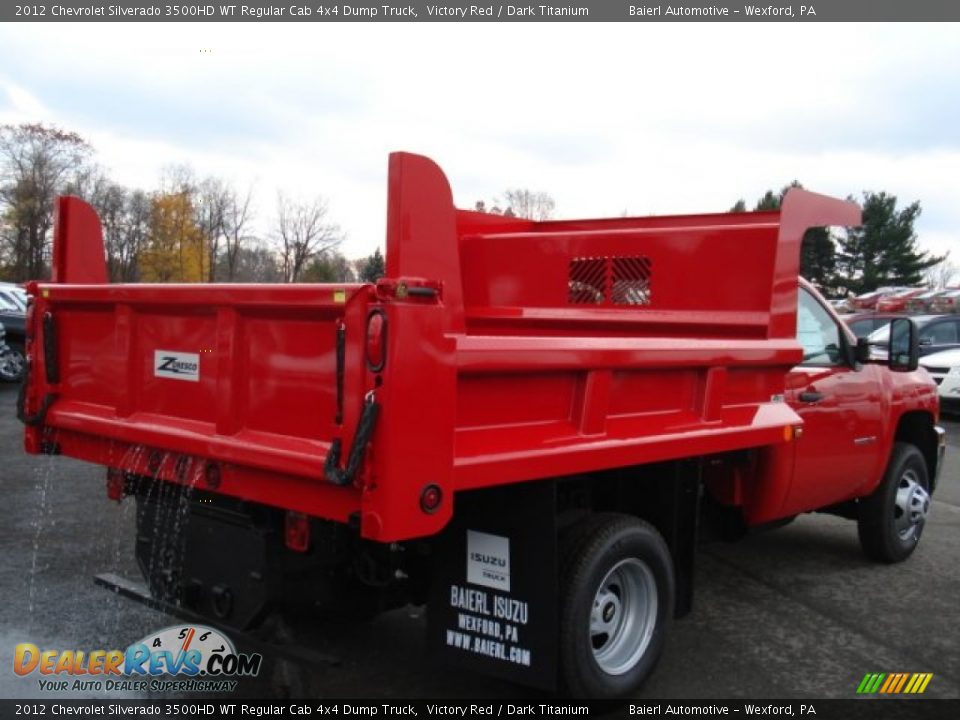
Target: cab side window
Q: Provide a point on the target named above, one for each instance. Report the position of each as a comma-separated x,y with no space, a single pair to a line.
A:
817,333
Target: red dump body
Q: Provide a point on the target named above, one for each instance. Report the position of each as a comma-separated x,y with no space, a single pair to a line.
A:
513,350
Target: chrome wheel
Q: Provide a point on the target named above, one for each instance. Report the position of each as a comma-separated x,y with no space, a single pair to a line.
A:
12,364
911,505
623,617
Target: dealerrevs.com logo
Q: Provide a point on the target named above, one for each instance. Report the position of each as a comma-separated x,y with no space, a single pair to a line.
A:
200,658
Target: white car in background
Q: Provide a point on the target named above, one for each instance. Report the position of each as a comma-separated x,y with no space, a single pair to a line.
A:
13,295
944,368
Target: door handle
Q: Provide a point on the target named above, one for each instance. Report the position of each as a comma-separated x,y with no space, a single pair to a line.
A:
810,396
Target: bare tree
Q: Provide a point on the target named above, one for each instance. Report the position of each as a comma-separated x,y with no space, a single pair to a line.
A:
213,197
253,262
125,254
303,232
530,204
178,178
36,162
110,201
521,202
942,275
124,216
236,219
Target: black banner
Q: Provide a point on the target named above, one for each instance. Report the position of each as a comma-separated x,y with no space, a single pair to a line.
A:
485,709
460,11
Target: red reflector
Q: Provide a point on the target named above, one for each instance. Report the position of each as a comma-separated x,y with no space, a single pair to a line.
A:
296,531
376,340
430,498
115,484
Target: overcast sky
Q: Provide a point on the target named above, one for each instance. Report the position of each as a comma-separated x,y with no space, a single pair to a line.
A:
649,118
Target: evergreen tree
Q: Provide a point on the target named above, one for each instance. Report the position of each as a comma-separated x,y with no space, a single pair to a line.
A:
817,254
372,269
883,251
770,201
818,259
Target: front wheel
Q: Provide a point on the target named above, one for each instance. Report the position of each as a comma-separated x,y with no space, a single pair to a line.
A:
617,602
891,520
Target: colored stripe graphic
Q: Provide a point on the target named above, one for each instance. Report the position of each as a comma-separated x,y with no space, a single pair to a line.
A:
891,680
870,683
923,682
894,683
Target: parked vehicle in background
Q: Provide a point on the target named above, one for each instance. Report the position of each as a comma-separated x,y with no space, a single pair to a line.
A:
923,303
897,302
935,333
868,301
841,305
863,324
947,302
14,295
13,319
11,365
944,368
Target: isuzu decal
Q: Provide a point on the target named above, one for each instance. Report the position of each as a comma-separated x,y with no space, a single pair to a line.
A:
488,560
176,365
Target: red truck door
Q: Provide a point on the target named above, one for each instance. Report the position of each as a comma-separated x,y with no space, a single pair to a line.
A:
838,450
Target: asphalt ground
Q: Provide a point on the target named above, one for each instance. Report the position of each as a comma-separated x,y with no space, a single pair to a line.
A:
793,613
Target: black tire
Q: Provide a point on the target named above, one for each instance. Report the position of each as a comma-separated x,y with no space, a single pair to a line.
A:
10,372
890,521
608,558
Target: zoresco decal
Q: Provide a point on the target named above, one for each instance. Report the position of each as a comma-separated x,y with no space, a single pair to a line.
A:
176,365
180,650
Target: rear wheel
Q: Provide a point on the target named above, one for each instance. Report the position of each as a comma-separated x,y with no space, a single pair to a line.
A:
891,520
617,601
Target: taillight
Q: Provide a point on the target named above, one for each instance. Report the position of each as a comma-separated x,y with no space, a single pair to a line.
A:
296,531
376,340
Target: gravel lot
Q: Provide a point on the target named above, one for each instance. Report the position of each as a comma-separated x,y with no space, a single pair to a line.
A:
797,612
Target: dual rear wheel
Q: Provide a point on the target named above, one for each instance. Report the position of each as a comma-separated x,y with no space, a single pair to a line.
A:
616,604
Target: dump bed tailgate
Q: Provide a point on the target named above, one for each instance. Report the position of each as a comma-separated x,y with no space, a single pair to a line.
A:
189,380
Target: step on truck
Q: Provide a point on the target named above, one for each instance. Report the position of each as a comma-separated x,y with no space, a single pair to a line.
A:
525,425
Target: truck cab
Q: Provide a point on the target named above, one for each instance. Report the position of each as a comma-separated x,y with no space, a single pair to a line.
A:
852,410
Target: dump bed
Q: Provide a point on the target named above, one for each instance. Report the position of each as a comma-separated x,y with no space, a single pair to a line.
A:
497,350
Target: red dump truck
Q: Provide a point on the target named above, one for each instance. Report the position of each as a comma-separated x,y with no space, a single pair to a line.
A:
525,425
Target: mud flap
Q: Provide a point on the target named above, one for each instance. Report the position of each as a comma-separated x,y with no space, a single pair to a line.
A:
680,494
493,606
